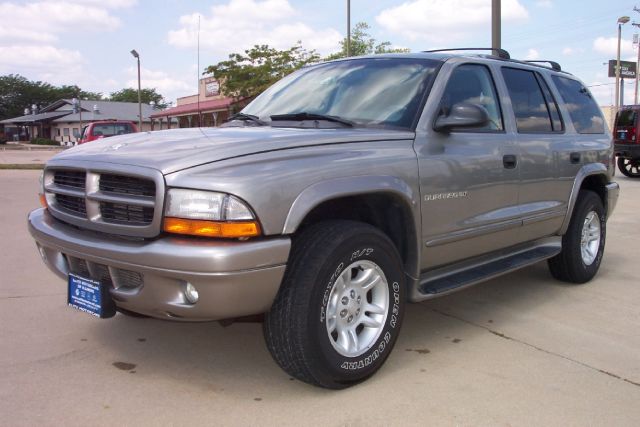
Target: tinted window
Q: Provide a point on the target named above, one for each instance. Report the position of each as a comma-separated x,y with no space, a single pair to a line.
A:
552,105
111,129
378,92
473,83
626,118
529,105
584,112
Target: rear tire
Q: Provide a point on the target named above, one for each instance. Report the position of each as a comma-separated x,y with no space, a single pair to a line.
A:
583,243
629,167
339,309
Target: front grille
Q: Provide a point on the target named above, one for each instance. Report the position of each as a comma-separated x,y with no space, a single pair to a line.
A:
122,201
119,184
73,205
126,214
70,178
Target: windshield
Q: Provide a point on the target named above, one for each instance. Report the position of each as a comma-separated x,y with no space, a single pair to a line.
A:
385,92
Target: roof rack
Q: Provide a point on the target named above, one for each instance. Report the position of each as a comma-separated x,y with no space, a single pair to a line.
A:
554,65
501,53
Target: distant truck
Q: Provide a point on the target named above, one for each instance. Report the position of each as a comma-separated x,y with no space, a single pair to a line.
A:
106,128
626,138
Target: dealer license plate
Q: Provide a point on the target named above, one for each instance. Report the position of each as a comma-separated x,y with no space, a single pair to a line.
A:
90,296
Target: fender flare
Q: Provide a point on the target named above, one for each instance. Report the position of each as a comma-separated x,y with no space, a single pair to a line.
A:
584,172
318,193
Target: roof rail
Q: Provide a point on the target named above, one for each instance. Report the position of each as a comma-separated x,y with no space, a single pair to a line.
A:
501,53
554,65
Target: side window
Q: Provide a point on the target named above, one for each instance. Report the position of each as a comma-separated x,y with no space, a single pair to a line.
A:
532,109
583,110
473,83
552,105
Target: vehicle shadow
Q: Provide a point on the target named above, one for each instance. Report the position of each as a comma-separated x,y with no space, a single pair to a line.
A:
234,358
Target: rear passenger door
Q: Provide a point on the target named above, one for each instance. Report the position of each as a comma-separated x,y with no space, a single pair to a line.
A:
542,146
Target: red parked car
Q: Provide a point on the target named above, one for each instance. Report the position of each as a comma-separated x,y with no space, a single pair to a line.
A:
105,129
626,138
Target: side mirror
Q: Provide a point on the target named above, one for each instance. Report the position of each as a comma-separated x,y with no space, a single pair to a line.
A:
462,115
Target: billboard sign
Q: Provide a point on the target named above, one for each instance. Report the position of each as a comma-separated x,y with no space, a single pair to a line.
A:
627,69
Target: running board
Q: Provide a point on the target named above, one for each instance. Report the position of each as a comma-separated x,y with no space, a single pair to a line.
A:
447,280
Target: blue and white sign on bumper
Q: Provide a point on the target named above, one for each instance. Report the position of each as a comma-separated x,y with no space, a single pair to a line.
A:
89,296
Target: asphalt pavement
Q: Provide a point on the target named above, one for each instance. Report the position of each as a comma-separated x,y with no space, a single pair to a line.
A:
519,350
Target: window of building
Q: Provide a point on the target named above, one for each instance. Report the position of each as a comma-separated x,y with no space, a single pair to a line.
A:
65,131
76,133
57,131
584,112
535,113
473,83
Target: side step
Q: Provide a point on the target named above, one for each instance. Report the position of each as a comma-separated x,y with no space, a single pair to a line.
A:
446,280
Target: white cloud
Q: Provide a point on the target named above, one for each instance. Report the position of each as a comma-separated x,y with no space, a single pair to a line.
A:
568,51
38,59
36,21
240,24
546,4
168,86
532,54
609,46
441,21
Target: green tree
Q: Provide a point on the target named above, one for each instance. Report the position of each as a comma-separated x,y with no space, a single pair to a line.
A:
362,43
147,96
18,93
249,74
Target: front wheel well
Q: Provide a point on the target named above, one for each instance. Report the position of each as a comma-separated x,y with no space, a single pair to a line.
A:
386,212
597,184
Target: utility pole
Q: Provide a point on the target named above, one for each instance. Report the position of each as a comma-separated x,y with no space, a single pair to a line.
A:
496,42
621,21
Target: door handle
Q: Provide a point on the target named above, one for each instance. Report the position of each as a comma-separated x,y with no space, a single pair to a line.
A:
509,161
574,157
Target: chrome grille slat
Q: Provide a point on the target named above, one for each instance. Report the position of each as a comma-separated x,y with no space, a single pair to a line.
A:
74,205
70,178
115,199
119,184
111,277
128,214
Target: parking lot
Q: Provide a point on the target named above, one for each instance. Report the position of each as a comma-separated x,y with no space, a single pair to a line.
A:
522,349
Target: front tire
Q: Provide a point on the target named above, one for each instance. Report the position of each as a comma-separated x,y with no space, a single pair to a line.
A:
583,243
339,309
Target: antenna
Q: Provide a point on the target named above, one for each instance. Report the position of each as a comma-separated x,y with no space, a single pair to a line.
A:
198,75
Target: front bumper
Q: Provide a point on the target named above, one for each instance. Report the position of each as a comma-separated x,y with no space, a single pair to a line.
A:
232,278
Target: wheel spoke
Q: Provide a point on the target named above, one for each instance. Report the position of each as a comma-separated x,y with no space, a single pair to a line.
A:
353,338
332,323
370,322
374,309
343,340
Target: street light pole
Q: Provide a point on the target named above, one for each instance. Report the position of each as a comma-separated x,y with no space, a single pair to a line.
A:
621,21
137,56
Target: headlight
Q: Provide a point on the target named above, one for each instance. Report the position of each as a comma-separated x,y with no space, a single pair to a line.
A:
206,213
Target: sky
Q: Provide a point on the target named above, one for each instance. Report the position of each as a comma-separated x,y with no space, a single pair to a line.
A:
87,42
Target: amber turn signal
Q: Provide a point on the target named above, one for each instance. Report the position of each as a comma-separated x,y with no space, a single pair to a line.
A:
211,228
43,201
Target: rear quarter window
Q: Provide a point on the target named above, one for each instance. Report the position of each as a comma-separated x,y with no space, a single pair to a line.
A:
583,110
626,118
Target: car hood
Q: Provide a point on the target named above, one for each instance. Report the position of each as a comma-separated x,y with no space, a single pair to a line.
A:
176,149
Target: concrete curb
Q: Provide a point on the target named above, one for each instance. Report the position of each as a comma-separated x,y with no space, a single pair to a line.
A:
22,166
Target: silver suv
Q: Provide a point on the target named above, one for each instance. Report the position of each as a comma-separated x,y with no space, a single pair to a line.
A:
340,193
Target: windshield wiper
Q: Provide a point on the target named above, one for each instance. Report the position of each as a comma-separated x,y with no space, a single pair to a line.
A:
312,116
248,118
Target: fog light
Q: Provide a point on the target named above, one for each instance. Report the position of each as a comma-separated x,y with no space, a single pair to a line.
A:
190,293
